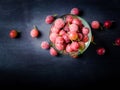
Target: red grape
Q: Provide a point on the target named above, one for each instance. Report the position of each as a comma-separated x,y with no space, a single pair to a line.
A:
85,38
62,32
75,46
85,30
74,28
59,40
53,52
49,19
13,34
95,24
54,29
45,45
34,32
117,42
77,21
107,24
69,18
66,38
59,23
59,46
101,51
53,37
75,11
80,36
68,48
66,28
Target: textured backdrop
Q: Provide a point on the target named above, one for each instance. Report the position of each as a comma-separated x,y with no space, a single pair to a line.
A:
22,61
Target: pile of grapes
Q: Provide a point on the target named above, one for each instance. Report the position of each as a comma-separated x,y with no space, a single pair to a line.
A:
69,34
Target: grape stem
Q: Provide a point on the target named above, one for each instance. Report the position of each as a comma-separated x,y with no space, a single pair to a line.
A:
114,44
34,26
55,15
101,28
94,43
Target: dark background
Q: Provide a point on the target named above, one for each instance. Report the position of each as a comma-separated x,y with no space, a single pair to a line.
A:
24,63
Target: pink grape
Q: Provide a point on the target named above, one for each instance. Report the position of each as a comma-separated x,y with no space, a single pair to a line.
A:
53,52
34,33
69,18
75,11
74,28
68,48
95,25
73,35
62,32
85,30
77,21
59,23
59,40
49,19
66,38
59,46
45,45
54,29
53,37
75,46
66,28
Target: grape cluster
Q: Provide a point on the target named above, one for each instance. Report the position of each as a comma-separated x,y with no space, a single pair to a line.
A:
68,35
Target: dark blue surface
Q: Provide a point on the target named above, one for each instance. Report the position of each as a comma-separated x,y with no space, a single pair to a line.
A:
22,61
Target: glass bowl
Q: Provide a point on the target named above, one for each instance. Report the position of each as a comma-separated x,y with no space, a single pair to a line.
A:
80,51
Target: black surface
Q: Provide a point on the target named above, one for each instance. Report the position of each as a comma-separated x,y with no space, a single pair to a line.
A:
23,62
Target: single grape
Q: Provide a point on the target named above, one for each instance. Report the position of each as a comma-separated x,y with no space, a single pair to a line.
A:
80,36
53,37
59,23
53,52
95,24
75,46
13,34
74,28
66,27
66,38
75,11
107,24
100,51
85,38
59,40
45,45
68,48
77,22
54,29
117,41
49,19
59,46
69,19
73,35
62,32
85,30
